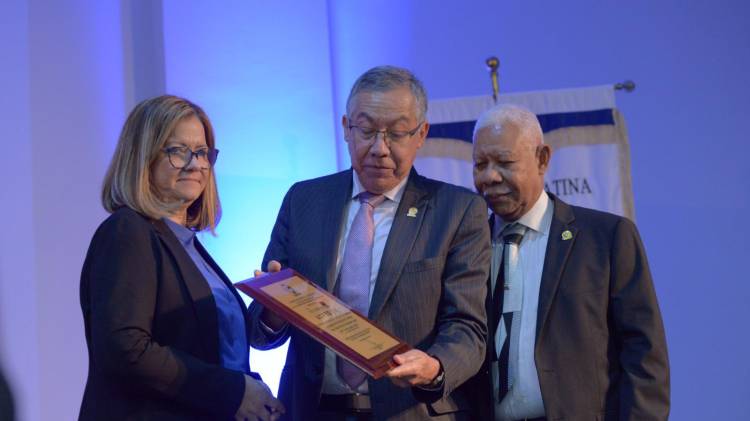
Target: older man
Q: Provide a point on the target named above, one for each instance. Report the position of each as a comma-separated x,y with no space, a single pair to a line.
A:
575,331
410,252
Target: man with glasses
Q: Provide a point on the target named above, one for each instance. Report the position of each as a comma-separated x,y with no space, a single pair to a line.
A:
410,252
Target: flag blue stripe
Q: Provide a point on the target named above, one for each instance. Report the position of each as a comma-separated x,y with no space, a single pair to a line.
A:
463,130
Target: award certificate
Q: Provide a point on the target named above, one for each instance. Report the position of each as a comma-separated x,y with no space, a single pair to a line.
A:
327,319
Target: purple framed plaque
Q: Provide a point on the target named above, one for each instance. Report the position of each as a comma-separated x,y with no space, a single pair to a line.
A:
327,319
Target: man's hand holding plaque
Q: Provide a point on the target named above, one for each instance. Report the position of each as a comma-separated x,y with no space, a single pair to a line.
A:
269,318
414,369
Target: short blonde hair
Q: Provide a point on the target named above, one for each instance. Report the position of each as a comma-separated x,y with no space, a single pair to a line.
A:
144,135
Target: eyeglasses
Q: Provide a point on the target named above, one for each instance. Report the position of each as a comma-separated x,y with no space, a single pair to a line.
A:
367,135
180,157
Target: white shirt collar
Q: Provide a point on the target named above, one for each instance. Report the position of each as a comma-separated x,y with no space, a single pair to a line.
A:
393,194
538,218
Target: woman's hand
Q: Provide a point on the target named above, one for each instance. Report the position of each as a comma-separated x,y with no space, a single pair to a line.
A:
258,403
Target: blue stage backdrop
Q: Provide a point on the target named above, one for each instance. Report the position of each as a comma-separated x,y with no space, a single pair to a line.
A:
274,76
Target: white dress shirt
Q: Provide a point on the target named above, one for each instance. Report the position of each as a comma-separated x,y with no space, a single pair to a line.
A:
524,398
383,219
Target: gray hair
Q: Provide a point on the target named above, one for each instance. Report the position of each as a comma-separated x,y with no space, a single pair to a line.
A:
502,115
385,78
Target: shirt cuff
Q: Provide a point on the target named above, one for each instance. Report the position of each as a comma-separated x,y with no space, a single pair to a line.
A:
269,331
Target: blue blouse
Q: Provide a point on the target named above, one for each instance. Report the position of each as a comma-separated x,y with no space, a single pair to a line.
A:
233,347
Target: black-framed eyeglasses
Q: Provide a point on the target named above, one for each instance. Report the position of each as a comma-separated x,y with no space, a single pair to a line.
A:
180,156
367,135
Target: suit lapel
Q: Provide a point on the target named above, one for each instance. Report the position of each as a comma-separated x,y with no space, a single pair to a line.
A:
332,225
200,292
494,308
400,241
558,250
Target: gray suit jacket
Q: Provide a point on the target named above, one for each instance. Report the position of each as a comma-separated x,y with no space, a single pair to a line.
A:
600,348
429,292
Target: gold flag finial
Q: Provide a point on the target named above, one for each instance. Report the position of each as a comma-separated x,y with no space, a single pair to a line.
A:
493,64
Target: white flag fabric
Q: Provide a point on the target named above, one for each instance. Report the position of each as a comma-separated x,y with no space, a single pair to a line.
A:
591,155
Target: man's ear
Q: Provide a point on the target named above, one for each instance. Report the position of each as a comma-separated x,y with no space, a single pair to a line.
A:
345,126
422,133
544,154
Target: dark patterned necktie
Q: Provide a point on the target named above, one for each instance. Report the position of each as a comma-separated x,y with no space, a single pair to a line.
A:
512,236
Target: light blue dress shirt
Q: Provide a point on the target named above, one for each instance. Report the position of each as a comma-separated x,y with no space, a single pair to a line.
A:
233,347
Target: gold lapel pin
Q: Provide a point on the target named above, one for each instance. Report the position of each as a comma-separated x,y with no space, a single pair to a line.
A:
567,235
412,213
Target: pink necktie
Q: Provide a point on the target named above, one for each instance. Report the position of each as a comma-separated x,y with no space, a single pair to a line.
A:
354,282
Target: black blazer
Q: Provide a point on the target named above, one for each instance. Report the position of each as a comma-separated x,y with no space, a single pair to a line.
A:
151,328
600,349
7,411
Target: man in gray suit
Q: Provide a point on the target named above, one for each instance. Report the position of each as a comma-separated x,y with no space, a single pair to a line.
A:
575,331
424,271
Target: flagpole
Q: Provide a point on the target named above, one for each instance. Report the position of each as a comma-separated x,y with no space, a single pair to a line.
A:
492,65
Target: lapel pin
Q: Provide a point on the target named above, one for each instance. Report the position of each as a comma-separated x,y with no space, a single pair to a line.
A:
412,213
567,235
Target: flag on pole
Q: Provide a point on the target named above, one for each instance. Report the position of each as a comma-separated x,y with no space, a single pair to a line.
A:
590,163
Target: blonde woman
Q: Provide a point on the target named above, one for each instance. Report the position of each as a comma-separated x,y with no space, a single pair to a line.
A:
165,329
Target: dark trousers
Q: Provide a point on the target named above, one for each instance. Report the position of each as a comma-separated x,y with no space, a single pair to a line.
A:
343,416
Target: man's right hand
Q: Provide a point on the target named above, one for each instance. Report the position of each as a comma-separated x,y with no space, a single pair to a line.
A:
258,403
268,318
273,266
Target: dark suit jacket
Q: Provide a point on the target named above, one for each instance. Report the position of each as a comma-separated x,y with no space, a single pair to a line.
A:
600,348
429,291
151,328
7,411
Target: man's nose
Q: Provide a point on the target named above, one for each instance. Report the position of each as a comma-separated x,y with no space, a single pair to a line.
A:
489,175
379,145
